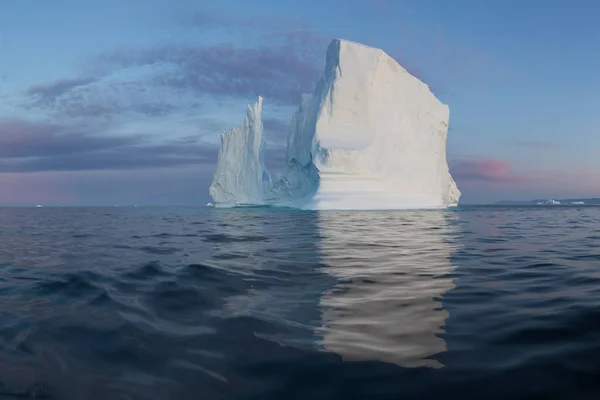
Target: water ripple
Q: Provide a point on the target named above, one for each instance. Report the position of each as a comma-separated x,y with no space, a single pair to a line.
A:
162,303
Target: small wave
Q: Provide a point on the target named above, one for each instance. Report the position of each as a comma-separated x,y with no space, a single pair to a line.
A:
492,302
159,250
71,285
146,271
172,298
222,238
81,236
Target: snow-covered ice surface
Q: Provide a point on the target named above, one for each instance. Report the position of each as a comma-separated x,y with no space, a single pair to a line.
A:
371,136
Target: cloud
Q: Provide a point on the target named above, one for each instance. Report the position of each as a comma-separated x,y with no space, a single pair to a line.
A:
37,147
284,61
20,139
280,74
26,146
132,158
106,97
47,93
487,170
489,180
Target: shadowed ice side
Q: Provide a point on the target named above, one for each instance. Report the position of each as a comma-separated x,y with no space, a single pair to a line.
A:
248,143
370,136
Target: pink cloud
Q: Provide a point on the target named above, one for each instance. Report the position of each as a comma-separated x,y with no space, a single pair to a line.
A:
485,169
491,179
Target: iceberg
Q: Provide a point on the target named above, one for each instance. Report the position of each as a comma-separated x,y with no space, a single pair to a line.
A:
370,136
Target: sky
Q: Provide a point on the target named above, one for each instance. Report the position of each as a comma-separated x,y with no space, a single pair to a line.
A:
122,102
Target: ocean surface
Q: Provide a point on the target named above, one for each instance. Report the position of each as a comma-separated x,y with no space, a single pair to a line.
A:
201,303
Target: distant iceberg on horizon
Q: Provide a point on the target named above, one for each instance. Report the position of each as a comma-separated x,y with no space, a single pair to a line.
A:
370,136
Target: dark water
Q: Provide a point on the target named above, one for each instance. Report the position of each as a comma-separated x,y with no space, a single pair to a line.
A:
193,303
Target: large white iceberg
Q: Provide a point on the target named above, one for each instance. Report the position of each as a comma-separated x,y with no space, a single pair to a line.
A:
371,136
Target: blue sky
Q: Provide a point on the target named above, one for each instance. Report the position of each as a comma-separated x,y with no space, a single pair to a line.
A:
122,102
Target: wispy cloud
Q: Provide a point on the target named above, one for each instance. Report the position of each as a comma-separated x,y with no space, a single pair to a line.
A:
224,70
284,62
85,112
45,93
105,97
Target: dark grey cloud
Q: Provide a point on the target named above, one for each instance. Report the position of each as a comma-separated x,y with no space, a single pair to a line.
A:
132,158
122,158
29,147
280,74
20,139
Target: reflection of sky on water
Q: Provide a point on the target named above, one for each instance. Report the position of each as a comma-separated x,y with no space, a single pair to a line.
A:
364,285
281,267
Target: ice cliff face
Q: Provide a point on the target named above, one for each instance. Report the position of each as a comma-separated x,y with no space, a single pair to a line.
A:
241,177
371,136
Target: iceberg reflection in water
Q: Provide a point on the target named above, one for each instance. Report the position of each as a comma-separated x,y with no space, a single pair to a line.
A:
367,286
394,269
